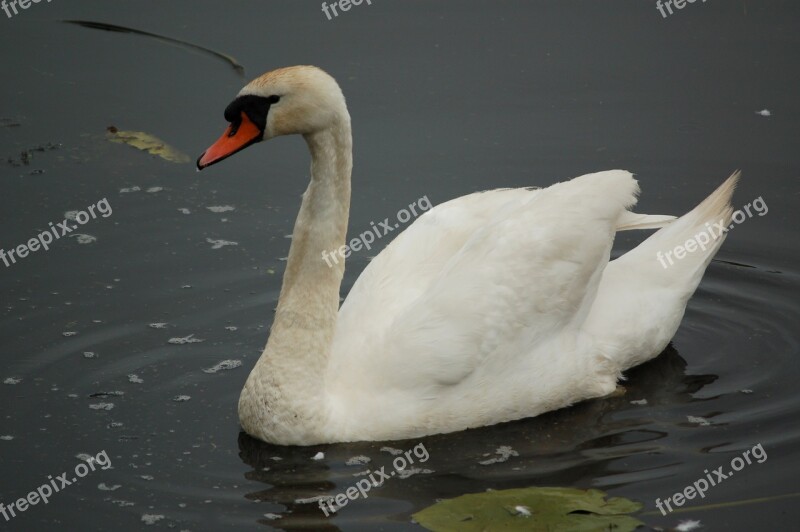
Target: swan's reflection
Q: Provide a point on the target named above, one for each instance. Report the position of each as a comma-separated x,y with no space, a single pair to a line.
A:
568,447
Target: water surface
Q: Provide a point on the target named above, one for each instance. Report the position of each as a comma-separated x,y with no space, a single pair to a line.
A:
446,99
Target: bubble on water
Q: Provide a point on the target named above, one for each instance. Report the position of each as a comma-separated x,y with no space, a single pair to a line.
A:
504,452
112,393
221,208
319,456
153,190
71,215
114,425
217,244
231,328
12,380
411,471
181,398
135,379
688,526
223,366
272,517
130,189
105,487
358,460
68,334
89,354
158,325
184,210
151,519
185,340
102,406
84,239
391,450
639,402
7,437
146,477
315,499
698,420
764,112
123,504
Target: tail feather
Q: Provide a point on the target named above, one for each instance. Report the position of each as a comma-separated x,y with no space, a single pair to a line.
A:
643,294
684,248
630,220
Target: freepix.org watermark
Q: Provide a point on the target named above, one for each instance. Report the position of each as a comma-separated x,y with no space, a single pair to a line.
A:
344,5
62,228
54,485
361,489
711,233
702,485
365,239
23,4
665,6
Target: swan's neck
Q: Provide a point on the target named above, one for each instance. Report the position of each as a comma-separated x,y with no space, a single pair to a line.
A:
283,394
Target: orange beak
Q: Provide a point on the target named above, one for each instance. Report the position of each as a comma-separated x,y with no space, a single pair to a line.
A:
234,139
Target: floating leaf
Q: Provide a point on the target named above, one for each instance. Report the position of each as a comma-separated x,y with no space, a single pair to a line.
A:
533,509
149,143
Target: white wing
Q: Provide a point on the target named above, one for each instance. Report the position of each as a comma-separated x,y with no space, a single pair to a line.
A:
476,274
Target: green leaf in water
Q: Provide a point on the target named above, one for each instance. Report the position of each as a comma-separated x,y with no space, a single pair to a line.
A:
533,509
149,143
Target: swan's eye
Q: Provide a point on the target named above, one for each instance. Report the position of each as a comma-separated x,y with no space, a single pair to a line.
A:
256,108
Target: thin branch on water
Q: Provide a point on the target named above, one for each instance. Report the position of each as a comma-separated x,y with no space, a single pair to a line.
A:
122,29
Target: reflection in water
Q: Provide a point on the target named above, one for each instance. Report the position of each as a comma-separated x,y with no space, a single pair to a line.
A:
562,448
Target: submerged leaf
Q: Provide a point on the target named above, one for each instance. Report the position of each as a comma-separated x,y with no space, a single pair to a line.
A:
149,143
545,509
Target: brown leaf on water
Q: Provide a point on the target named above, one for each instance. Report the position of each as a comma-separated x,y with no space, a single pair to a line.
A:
147,142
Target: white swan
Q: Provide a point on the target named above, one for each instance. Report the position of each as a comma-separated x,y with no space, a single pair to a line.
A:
491,307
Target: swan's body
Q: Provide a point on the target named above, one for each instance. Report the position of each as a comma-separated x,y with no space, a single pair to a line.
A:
490,307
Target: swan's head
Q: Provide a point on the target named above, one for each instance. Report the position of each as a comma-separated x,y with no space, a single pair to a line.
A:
294,100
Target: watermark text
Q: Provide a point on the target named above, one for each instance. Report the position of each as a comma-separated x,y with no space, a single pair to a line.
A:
366,239
665,6
23,4
374,479
54,485
62,228
702,485
711,233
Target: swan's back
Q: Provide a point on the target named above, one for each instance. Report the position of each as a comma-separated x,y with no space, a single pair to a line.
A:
482,297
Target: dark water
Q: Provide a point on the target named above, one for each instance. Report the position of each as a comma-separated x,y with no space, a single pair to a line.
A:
446,98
